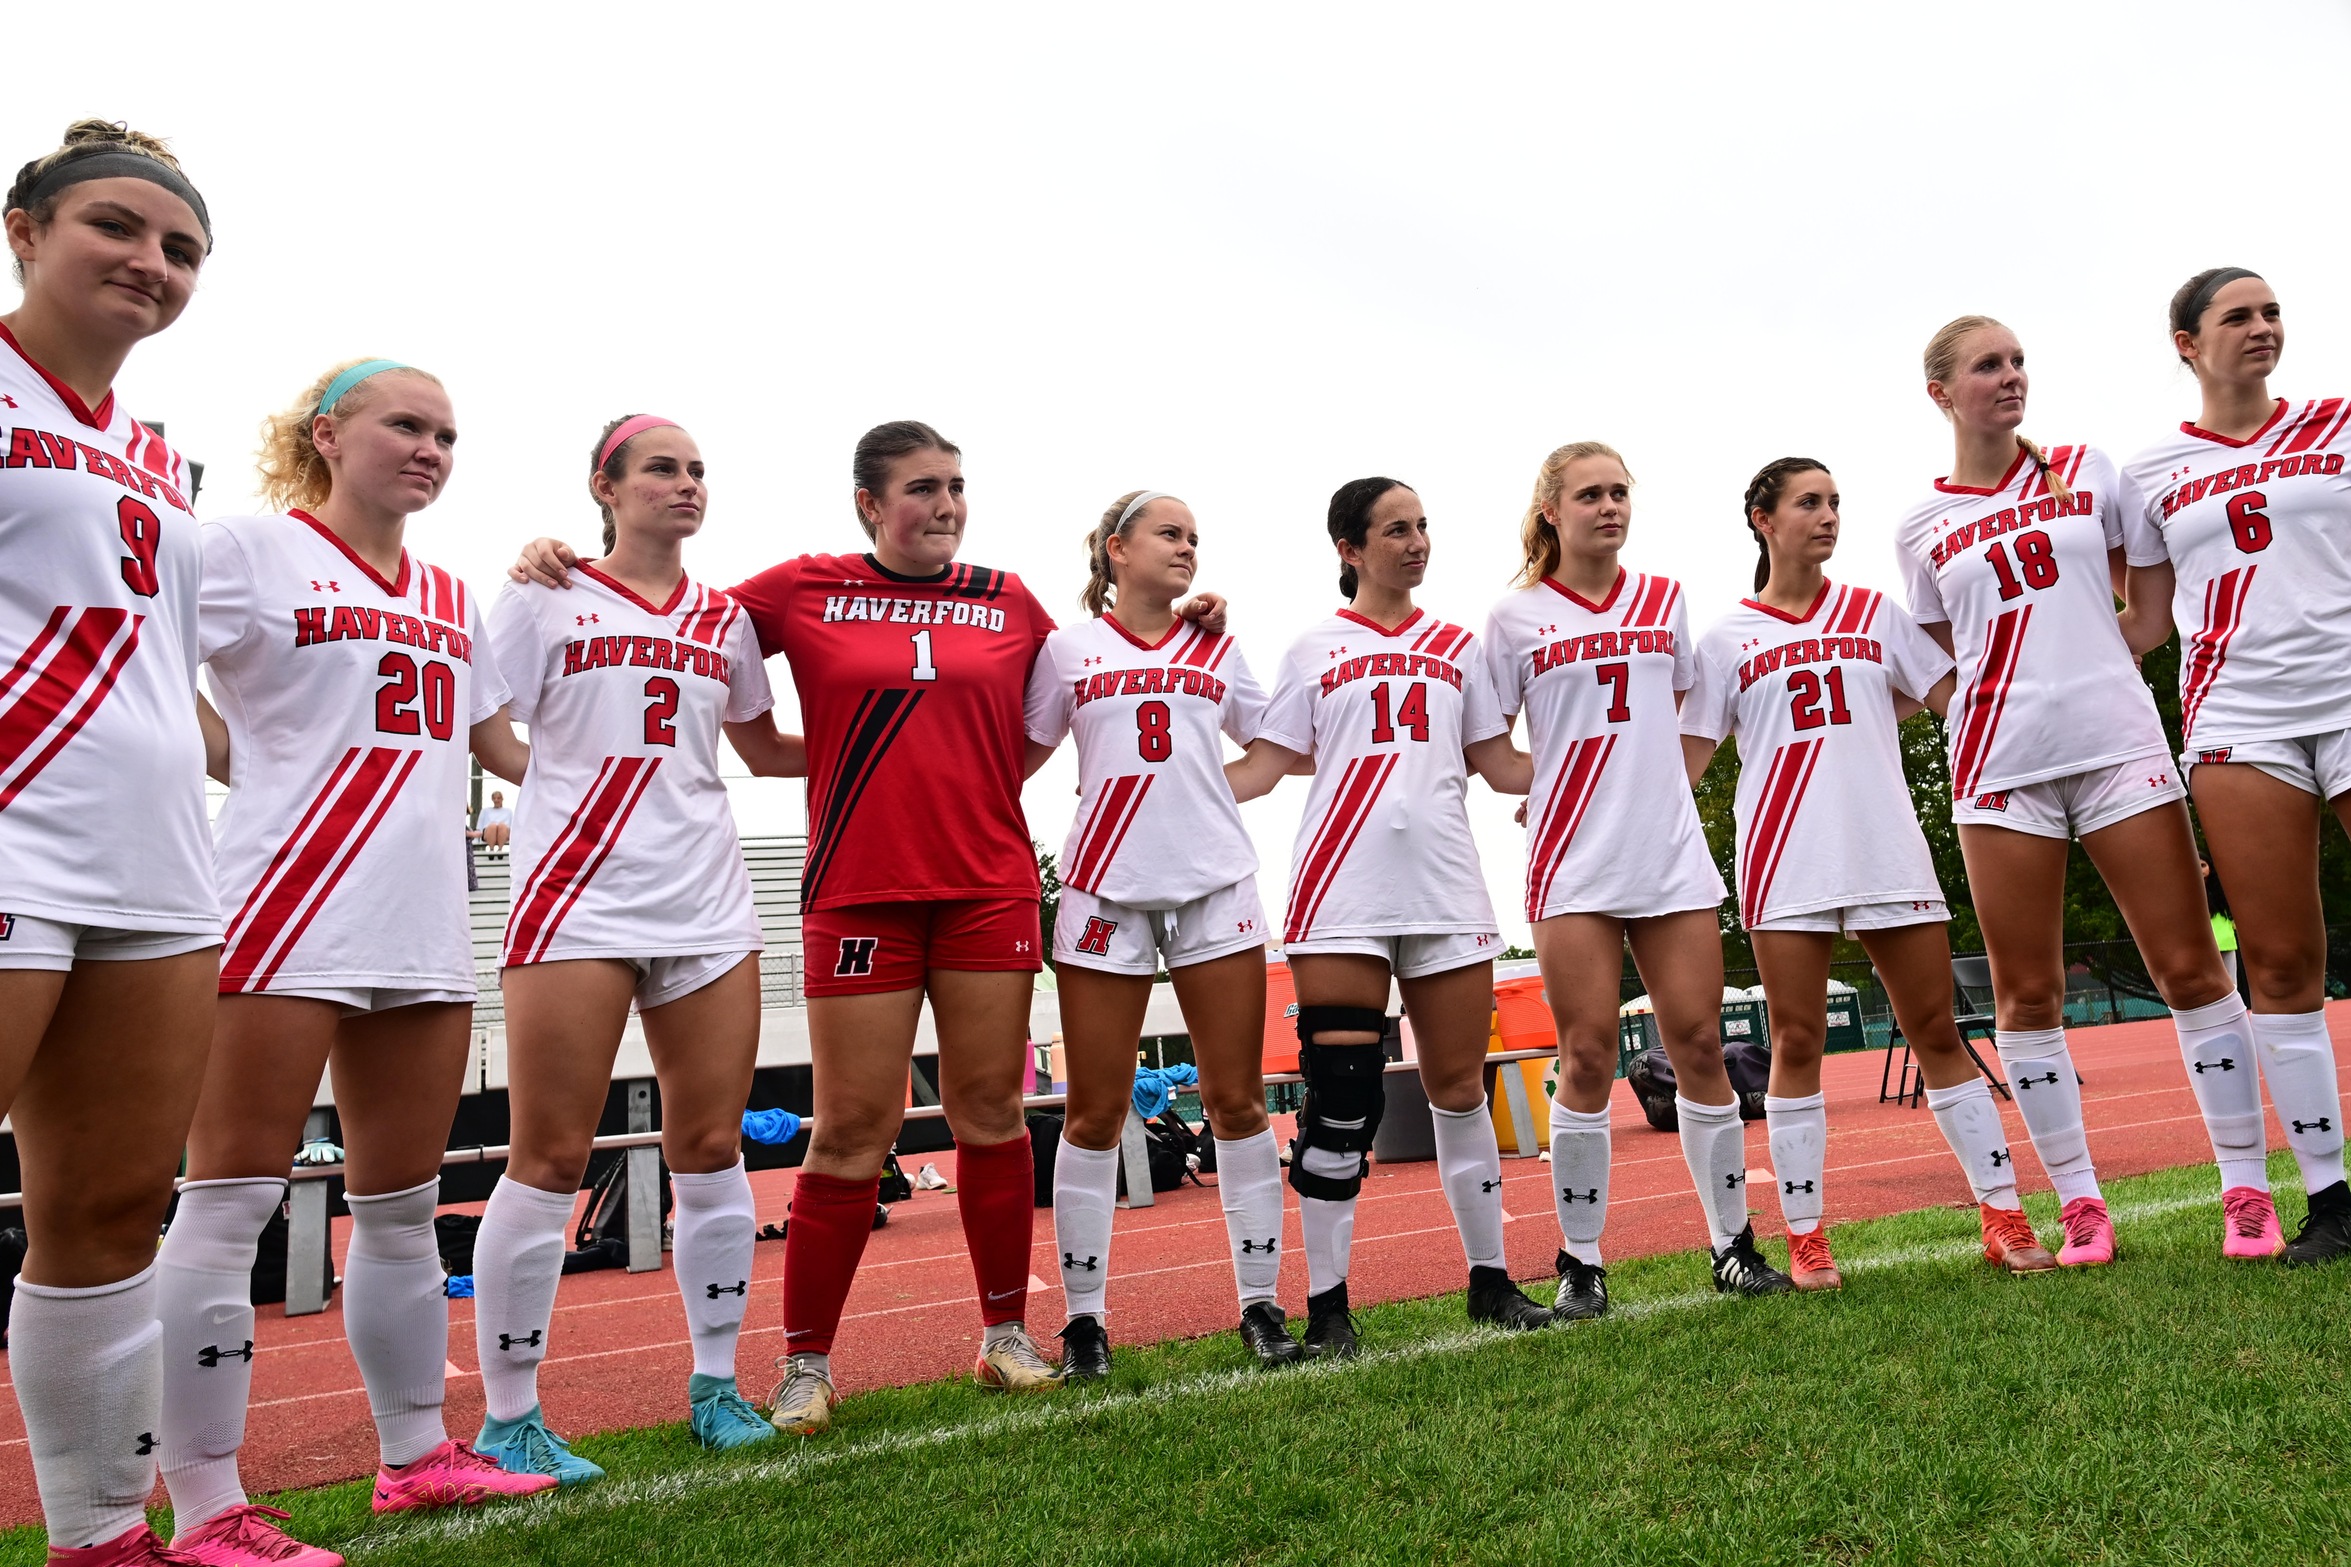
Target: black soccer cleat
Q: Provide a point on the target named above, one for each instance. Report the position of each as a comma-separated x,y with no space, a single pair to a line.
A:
1583,1290
1267,1333
1496,1301
1085,1351
1739,1269
1330,1327
2325,1235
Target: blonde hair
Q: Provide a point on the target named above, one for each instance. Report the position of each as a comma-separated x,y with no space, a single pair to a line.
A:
1942,363
1100,578
1538,536
84,138
293,474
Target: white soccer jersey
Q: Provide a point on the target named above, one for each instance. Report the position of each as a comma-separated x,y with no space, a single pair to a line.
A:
624,842
1825,815
1156,824
341,850
101,763
1612,827
2258,532
2046,683
1384,848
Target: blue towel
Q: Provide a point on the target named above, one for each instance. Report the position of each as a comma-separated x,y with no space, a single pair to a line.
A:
1155,1087
770,1126
458,1286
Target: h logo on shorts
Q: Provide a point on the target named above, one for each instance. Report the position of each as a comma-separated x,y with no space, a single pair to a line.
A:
1992,802
7,926
1095,940
2214,758
856,956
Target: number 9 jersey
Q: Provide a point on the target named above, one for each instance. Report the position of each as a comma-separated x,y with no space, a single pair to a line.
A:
349,700
1612,827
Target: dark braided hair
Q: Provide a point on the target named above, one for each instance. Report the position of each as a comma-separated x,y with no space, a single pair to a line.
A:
1763,495
1350,519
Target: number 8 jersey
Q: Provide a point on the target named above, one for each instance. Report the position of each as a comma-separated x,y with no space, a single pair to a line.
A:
349,701
1612,827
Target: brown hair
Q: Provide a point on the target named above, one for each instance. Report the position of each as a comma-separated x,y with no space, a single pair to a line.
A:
293,474
1538,536
1100,580
1942,363
83,138
1350,518
614,466
883,445
2194,297
1763,495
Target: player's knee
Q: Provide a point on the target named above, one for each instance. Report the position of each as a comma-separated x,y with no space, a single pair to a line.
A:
1093,1126
1346,1094
703,1150
1797,1041
1233,1113
1587,1065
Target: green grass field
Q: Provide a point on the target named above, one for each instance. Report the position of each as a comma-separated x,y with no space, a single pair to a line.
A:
2170,1409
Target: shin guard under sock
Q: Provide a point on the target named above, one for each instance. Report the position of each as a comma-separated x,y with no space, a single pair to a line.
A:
1249,1184
1580,1150
517,1262
830,1221
1085,1196
2049,1097
1714,1145
204,1301
1799,1132
88,1368
396,1317
711,1256
1469,1166
996,1193
2299,1060
2216,1045
1971,1125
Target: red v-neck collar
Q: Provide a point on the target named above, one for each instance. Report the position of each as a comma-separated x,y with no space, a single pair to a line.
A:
625,591
96,418
1794,620
2202,434
398,590
1119,626
2006,479
1622,577
1370,624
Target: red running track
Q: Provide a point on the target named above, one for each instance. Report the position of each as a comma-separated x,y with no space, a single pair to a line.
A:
620,1355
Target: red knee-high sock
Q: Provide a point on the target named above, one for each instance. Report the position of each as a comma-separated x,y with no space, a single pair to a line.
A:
831,1219
996,1190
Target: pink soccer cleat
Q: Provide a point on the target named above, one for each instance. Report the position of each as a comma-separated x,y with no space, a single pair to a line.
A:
249,1536
2089,1234
451,1475
135,1547
2249,1229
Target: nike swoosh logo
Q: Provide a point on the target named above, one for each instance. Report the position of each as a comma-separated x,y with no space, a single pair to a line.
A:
1002,1294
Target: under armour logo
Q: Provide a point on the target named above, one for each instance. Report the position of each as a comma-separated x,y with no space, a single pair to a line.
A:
856,956
146,1444
1550,630
2000,1156
1567,1194
2322,1124
1244,926
1095,938
2028,1080
739,1287
212,1354
1732,1181
5,398
331,585
1489,1186
1339,652
2224,1064
529,1340
1020,946
2156,780
1269,1244
1089,663
1069,1260
1793,1187
584,620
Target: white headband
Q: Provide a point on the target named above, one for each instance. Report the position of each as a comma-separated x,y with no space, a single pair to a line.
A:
1138,503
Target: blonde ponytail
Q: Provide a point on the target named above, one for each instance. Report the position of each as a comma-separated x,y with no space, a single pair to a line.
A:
2049,476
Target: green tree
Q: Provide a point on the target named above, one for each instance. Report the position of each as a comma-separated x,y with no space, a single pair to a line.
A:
1049,896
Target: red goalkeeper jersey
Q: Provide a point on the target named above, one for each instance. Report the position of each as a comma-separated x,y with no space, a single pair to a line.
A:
910,696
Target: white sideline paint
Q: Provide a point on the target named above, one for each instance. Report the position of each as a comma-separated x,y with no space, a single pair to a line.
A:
607,1495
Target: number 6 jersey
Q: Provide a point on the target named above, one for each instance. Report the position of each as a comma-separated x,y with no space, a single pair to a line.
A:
624,841
1612,827
349,699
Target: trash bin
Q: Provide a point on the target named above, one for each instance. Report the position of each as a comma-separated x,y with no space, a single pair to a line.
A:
1745,1021
1522,1021
1844,1019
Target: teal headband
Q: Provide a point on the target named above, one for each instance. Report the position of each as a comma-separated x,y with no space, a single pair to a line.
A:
351,378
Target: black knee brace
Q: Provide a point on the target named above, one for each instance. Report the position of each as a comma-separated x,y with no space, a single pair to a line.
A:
1343,1083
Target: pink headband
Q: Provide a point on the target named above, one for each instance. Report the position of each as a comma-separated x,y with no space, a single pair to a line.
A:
630,429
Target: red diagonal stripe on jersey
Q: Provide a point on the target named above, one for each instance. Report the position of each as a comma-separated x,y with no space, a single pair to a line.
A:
1987,696
1563,813
2224,613
1636,610
93,651
1454,640
306,867
1106,829
1194,650
34,649
86,698
580,849
1382,769
1767,807
1791,772
2314,428
529,892
2073,469
1672,596
2335,429
1359,788
603,834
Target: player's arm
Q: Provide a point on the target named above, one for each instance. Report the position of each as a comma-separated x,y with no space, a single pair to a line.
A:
545,560
2145,592
767,750
1937,700
1939,633
499,749
216,740
1036,755
1261,767
1498,760
1205,610
1697,753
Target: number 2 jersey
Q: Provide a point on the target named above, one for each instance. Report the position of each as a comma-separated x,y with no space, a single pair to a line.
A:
1156,826
349,701
1825,815
911,692
1384,848
101,763
624,840
2047,687
1612,827
2258,532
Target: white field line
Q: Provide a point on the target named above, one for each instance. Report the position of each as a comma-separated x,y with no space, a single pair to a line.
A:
1044,1414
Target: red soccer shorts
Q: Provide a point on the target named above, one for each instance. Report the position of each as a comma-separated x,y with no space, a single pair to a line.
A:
869,948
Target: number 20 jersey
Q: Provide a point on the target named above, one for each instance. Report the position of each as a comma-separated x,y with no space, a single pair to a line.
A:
624,841
2047,688
1384,848
349,701
2258,532
1612,827
1156,826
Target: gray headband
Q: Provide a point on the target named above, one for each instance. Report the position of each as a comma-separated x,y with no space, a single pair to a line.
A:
2201,300
117,166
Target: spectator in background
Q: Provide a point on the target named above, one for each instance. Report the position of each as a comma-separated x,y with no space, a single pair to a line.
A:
494,828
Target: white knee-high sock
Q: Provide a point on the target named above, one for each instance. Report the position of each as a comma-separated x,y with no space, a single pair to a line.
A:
716,1229
1469,1164
2049,1097
2216,1043
1580,1148
1971,1125
88,1368
517,1262
1085,1196
2299,1060
1799,1129
1327,1228
204,1300
1249,1184
1714,1145
396,1317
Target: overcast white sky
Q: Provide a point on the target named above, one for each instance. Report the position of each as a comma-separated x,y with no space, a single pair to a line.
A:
1242,253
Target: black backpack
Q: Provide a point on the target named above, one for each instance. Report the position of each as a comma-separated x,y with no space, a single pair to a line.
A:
1172,1146
1749,1066
1044,1149
1652,1081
